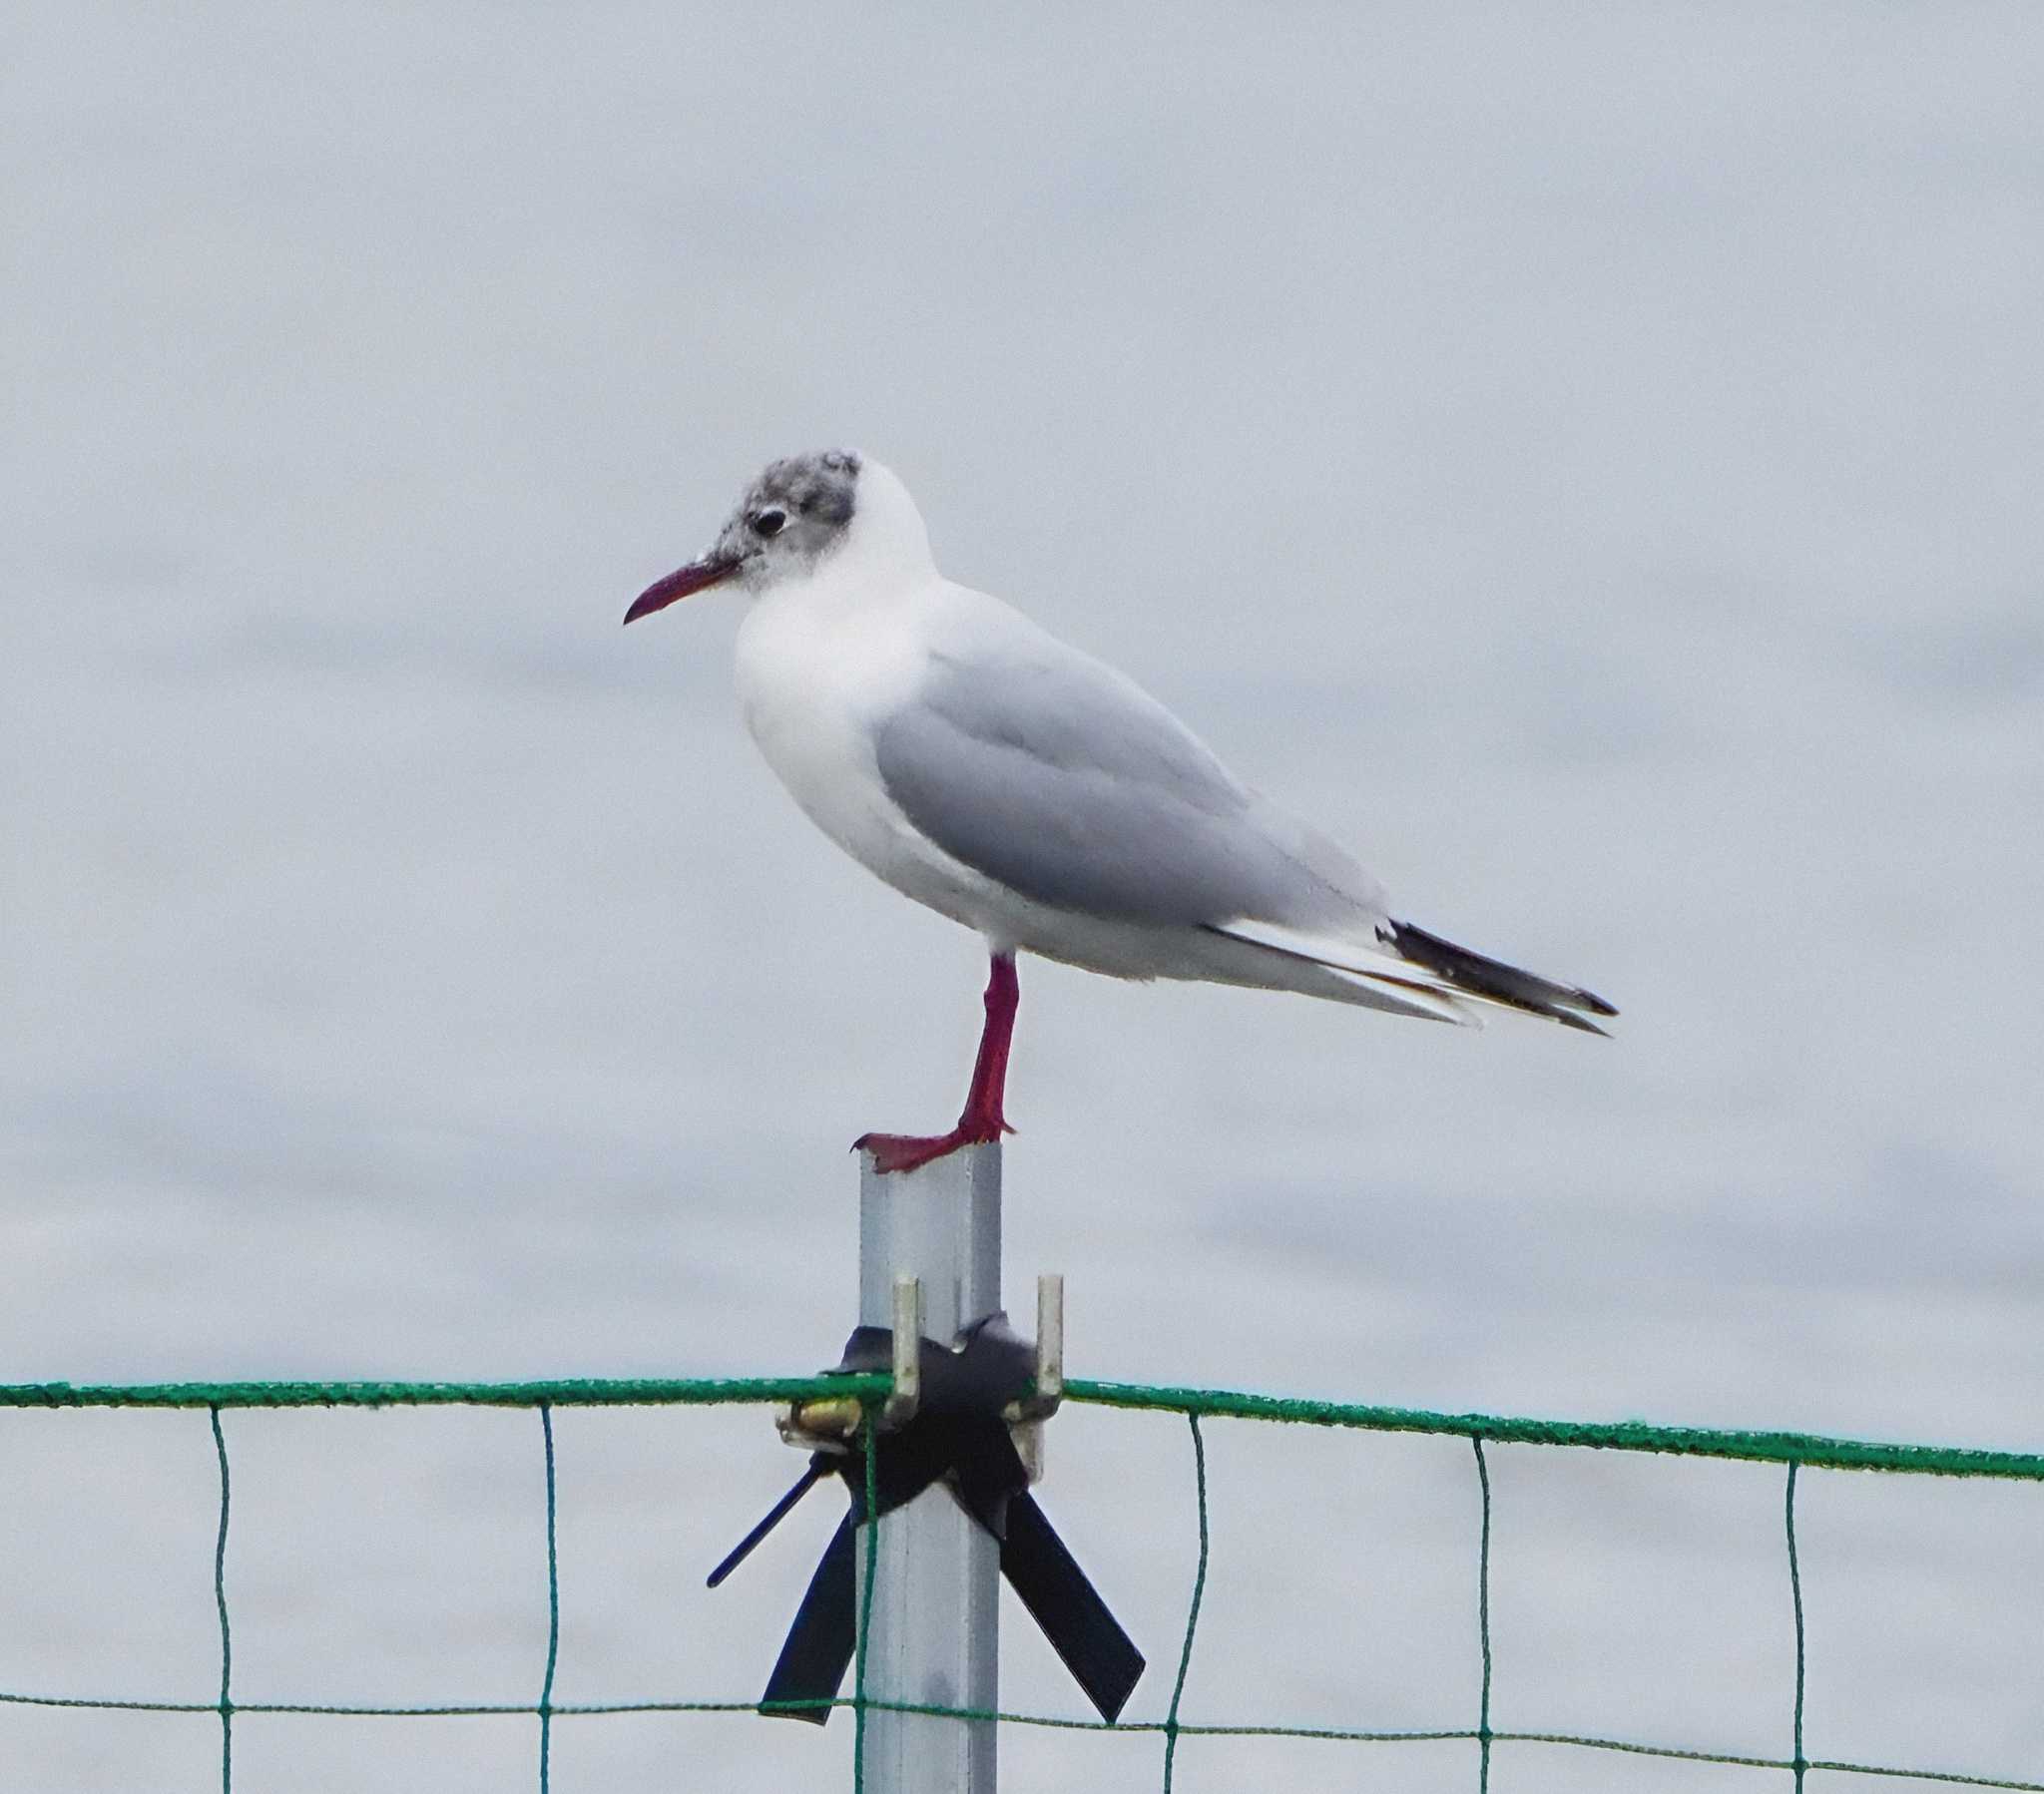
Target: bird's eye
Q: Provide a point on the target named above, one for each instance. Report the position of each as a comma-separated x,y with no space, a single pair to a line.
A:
770,523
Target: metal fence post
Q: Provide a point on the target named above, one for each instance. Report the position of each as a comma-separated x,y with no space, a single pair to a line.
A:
935,1638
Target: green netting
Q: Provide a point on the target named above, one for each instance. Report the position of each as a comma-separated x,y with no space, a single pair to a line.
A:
1795,1451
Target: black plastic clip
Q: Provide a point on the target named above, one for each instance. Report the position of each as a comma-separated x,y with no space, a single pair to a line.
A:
959,1433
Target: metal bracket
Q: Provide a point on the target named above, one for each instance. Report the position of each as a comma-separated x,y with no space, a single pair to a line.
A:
907,1396
828,1424
1050,1352
820,1426
1050,1342
1025,1418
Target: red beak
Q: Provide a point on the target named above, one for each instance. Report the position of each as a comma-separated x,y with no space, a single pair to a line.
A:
680,584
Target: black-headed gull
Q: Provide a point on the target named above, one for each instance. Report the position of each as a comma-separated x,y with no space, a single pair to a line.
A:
1033,793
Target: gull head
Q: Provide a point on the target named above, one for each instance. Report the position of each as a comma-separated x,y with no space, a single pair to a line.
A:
797,513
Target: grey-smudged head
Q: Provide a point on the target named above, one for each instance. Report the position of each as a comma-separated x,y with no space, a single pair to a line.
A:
792,515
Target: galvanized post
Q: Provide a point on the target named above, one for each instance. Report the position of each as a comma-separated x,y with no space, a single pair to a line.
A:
935,1639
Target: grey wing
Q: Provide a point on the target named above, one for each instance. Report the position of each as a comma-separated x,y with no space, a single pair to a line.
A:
1055,776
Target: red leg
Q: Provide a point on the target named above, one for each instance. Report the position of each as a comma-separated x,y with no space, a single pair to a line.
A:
983,1119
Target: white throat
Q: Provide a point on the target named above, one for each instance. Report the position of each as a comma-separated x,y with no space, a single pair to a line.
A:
819,659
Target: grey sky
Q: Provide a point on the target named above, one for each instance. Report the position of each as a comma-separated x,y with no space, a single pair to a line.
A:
1584,458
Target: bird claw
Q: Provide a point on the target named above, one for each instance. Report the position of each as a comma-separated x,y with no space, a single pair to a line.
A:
911,1151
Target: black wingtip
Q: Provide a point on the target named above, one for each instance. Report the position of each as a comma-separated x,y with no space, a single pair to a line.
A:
1512,986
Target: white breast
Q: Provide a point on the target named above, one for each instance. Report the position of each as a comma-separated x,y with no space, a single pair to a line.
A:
815,673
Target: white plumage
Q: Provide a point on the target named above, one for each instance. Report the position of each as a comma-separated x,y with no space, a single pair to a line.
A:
1030,793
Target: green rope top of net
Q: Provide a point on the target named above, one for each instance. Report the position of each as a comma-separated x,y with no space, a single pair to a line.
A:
562,1392
1750,1446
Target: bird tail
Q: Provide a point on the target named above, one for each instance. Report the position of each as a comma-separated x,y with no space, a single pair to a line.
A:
1416,972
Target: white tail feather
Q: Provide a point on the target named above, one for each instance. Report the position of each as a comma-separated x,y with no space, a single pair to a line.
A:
1418,989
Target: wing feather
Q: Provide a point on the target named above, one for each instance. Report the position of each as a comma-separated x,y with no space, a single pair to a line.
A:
1062,779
